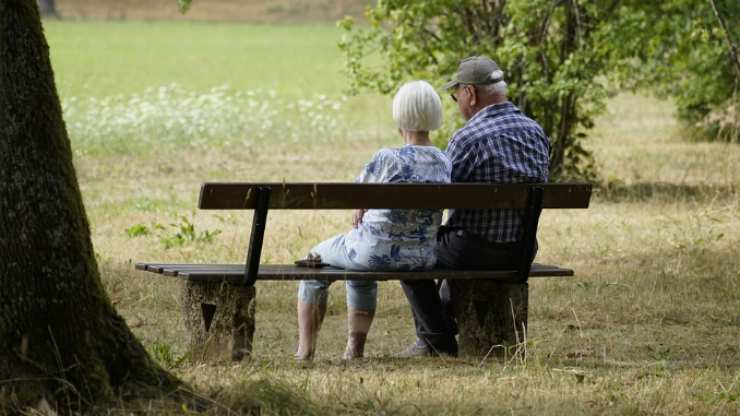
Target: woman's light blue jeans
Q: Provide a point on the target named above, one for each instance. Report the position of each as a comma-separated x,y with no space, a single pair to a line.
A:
361,294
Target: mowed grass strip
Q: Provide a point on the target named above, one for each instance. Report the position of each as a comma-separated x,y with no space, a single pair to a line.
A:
649,325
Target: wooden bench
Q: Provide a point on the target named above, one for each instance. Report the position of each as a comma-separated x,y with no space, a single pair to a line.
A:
219,299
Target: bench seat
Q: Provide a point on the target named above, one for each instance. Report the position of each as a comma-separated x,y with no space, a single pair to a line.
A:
234,273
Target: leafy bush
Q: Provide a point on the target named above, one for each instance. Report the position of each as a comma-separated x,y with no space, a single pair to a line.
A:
137,230
166,355
687,54
183,232
176,234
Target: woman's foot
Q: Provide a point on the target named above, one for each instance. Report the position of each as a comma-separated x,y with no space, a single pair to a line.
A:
355,346
310,317
358,323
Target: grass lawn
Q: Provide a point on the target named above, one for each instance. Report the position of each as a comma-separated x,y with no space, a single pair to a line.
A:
107,58
649,325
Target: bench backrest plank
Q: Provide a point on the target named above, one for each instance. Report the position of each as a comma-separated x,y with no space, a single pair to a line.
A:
228,196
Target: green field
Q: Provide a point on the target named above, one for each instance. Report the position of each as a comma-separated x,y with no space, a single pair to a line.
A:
649,325
107,58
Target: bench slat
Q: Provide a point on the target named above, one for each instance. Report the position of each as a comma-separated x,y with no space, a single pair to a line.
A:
234,273
162,267
373,195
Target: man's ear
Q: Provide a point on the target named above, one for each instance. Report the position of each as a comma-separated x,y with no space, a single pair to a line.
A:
473,96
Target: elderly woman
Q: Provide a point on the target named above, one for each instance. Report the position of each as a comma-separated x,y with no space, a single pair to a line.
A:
382,239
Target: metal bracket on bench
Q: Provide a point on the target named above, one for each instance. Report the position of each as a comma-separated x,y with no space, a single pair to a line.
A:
259,220
529,231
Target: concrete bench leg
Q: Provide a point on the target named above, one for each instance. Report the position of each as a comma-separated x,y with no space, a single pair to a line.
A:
220,320
491,317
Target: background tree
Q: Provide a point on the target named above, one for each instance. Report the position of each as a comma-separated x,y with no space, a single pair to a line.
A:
555,55
562,58
60,337
689,53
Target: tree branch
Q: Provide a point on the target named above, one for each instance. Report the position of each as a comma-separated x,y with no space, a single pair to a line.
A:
731,45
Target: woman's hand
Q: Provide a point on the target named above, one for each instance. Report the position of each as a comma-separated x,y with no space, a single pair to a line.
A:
357,217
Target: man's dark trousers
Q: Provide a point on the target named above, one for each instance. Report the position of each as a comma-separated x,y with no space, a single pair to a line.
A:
431,305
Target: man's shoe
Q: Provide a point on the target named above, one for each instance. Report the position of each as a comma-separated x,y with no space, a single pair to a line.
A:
415,350
422,349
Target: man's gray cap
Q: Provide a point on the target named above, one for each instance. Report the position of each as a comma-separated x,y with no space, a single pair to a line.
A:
476,70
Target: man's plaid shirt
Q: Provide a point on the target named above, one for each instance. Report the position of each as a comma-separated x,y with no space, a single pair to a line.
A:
498,144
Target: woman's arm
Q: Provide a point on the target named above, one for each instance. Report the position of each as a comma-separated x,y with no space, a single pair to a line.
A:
357,217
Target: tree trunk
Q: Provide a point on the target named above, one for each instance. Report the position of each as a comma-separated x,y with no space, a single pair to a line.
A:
60,338
491,317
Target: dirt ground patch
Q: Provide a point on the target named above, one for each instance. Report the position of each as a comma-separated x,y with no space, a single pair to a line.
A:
252,11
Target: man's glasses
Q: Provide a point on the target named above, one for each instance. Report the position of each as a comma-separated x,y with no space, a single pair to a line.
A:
459,87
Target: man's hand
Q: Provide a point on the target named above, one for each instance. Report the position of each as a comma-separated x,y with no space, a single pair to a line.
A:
357,217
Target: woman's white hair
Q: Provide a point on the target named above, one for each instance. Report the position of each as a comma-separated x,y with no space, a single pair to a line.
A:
417,107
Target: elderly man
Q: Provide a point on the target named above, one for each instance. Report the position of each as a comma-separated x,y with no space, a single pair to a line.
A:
497,144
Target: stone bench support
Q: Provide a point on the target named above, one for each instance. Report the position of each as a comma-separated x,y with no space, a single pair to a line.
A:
220,320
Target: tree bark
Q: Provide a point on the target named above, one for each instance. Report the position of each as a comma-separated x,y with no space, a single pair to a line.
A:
60,337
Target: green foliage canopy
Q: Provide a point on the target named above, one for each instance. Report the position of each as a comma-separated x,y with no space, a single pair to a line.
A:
562,58
687,54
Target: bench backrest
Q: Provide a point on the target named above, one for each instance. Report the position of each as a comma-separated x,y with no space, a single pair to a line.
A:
530,198
363,195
